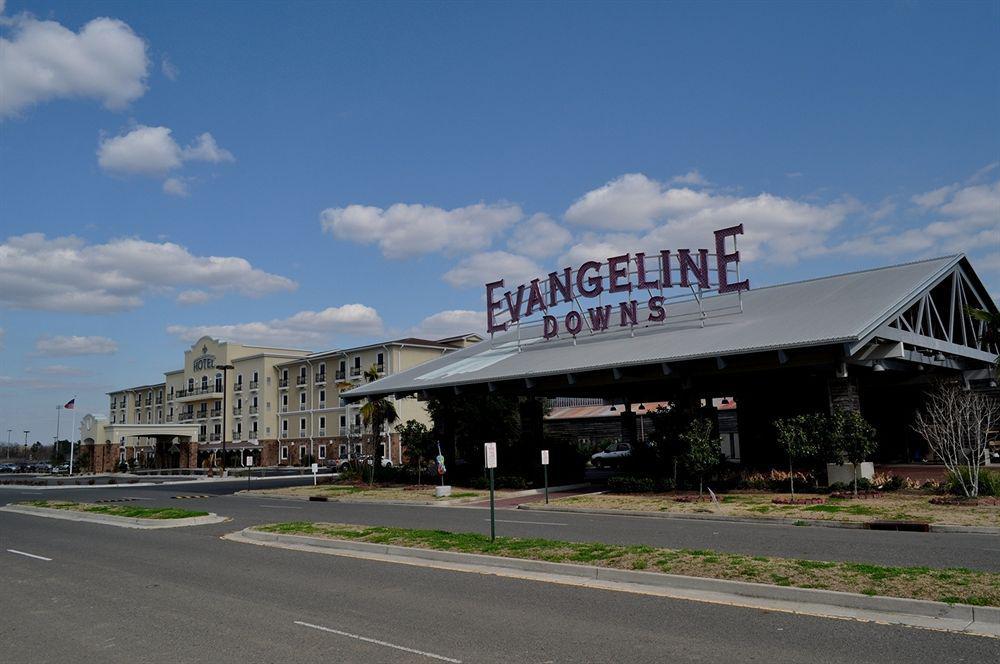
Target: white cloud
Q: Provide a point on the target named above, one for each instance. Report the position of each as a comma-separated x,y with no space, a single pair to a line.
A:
302,329
958,219
449,324
594,247
206,149
67,274
169,69
692,177
153,151
538,237
42,60
194,297
176,187
404,230
778,229
478,269
59,346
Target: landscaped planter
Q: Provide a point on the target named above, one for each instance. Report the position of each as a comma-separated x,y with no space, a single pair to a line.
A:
844,473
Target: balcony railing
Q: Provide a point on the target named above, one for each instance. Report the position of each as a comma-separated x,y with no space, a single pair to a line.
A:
237,387
253,385
184,417
170,418
282,382
216,412
380,368
195,391
302,433
320,378
321,432
340,374
300,380
215,437
159,401
253,410
283,434
355,372
284,408
321,404
237,411
345,431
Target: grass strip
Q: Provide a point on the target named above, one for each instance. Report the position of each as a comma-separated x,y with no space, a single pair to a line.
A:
120,510
952,585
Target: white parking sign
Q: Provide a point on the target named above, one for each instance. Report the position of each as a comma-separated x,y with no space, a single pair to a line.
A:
545,457
491,455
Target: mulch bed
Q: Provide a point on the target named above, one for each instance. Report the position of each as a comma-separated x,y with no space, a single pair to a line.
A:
862,495
965,502
798,501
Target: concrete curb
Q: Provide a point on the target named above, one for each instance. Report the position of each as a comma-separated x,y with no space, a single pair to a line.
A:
425,503
109,520
772,520
962,618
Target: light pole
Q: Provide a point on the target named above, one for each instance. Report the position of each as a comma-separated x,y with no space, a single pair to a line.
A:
27,431
225,393
8,442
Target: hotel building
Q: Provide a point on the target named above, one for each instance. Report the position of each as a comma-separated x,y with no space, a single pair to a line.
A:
280,406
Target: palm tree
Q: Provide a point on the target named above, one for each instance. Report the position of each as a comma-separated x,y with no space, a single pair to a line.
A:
991,331
377,413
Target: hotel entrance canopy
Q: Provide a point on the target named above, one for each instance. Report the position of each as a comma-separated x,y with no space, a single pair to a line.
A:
908,317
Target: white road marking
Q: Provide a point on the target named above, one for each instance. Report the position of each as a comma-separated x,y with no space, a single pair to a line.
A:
537,523
379,643
30,555
280,507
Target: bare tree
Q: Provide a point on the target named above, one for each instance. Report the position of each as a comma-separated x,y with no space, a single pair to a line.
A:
956,423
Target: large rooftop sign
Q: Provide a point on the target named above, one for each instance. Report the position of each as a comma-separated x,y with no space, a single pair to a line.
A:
572,300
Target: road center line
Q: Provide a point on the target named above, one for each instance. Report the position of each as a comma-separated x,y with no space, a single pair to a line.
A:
30,555
378,643
280,507
537,523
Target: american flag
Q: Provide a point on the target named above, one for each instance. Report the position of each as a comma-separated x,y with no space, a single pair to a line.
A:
71,404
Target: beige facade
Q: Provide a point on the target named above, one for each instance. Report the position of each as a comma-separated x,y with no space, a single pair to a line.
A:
281,405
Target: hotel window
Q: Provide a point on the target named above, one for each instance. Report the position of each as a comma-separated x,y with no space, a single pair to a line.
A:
380,360
159,414
322,397
255,402
343,421
284,375
284,401
239,403
138,417
342,451
302,424
218,382
284,427
253,428
357,363
302,453
170,411
322,423
284,453
255,377
302,401
357,419
322,368
201,432
239,428
217,429
302,372
204,382
190,384
112,418
239,379
322,451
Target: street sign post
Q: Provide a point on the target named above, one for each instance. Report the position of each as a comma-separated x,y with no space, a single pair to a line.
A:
545,473
490,450
249,465
315,469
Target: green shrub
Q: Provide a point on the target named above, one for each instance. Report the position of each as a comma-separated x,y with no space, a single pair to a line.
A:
513,482
639,484
989,482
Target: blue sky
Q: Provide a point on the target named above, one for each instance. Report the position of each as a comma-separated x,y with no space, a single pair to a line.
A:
362,168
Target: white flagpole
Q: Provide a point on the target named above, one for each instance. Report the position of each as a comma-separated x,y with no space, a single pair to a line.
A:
71,436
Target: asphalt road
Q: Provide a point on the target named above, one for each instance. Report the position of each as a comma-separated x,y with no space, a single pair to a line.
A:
815,543
101,593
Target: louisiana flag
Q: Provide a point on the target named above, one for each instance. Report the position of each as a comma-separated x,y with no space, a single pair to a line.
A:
71,404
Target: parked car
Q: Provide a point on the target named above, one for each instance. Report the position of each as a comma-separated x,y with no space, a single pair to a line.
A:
611,456
61,469
8,468
42,467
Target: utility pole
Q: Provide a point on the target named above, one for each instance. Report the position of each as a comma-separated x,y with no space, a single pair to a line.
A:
26,432
8,443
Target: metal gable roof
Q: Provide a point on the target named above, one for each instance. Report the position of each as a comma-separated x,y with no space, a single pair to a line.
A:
820,311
